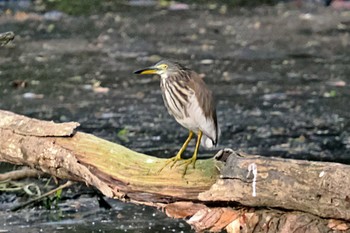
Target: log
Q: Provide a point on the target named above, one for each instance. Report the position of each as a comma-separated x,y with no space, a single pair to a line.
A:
232,191
319,188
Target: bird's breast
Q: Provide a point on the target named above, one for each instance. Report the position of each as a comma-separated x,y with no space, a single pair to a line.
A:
175,98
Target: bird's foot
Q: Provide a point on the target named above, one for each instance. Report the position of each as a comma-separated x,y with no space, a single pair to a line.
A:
188,162
171,161
174,160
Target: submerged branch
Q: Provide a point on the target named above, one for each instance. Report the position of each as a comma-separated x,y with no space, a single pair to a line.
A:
6,37
39,198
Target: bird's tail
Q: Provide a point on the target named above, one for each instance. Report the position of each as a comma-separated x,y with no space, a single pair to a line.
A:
207,142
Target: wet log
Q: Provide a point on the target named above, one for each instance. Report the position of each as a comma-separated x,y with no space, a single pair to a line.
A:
234,190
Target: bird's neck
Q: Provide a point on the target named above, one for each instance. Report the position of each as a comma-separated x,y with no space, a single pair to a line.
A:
163,77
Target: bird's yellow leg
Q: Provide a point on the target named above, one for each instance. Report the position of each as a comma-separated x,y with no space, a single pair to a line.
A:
176,158
193,159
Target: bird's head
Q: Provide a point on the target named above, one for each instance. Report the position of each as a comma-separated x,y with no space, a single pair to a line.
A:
163,68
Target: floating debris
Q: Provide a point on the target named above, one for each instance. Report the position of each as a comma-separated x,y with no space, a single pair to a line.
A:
30,95
339,83
54,15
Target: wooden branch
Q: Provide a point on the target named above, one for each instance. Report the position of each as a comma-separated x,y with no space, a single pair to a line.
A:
20,174
219,193
115,170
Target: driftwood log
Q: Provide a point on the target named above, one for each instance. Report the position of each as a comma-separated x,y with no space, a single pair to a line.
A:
233,191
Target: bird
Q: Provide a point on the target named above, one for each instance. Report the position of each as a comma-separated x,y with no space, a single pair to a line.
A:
189,100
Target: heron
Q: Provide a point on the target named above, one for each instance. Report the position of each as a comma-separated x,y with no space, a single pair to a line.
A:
189,100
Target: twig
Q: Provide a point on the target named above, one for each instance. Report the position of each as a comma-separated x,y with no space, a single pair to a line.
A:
67,184
20,174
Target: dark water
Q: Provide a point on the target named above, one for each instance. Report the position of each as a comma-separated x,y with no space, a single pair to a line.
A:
85,215
280,74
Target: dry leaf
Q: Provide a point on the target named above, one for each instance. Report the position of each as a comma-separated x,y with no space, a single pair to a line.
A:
338,225
234,227
183,209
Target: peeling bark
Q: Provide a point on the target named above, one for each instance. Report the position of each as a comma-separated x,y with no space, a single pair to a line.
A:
234,191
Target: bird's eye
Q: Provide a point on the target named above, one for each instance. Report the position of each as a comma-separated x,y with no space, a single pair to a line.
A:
164,66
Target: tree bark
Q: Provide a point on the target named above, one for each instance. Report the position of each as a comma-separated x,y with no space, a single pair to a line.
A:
234,190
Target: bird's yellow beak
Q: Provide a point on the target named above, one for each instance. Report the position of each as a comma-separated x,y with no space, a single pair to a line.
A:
150,70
